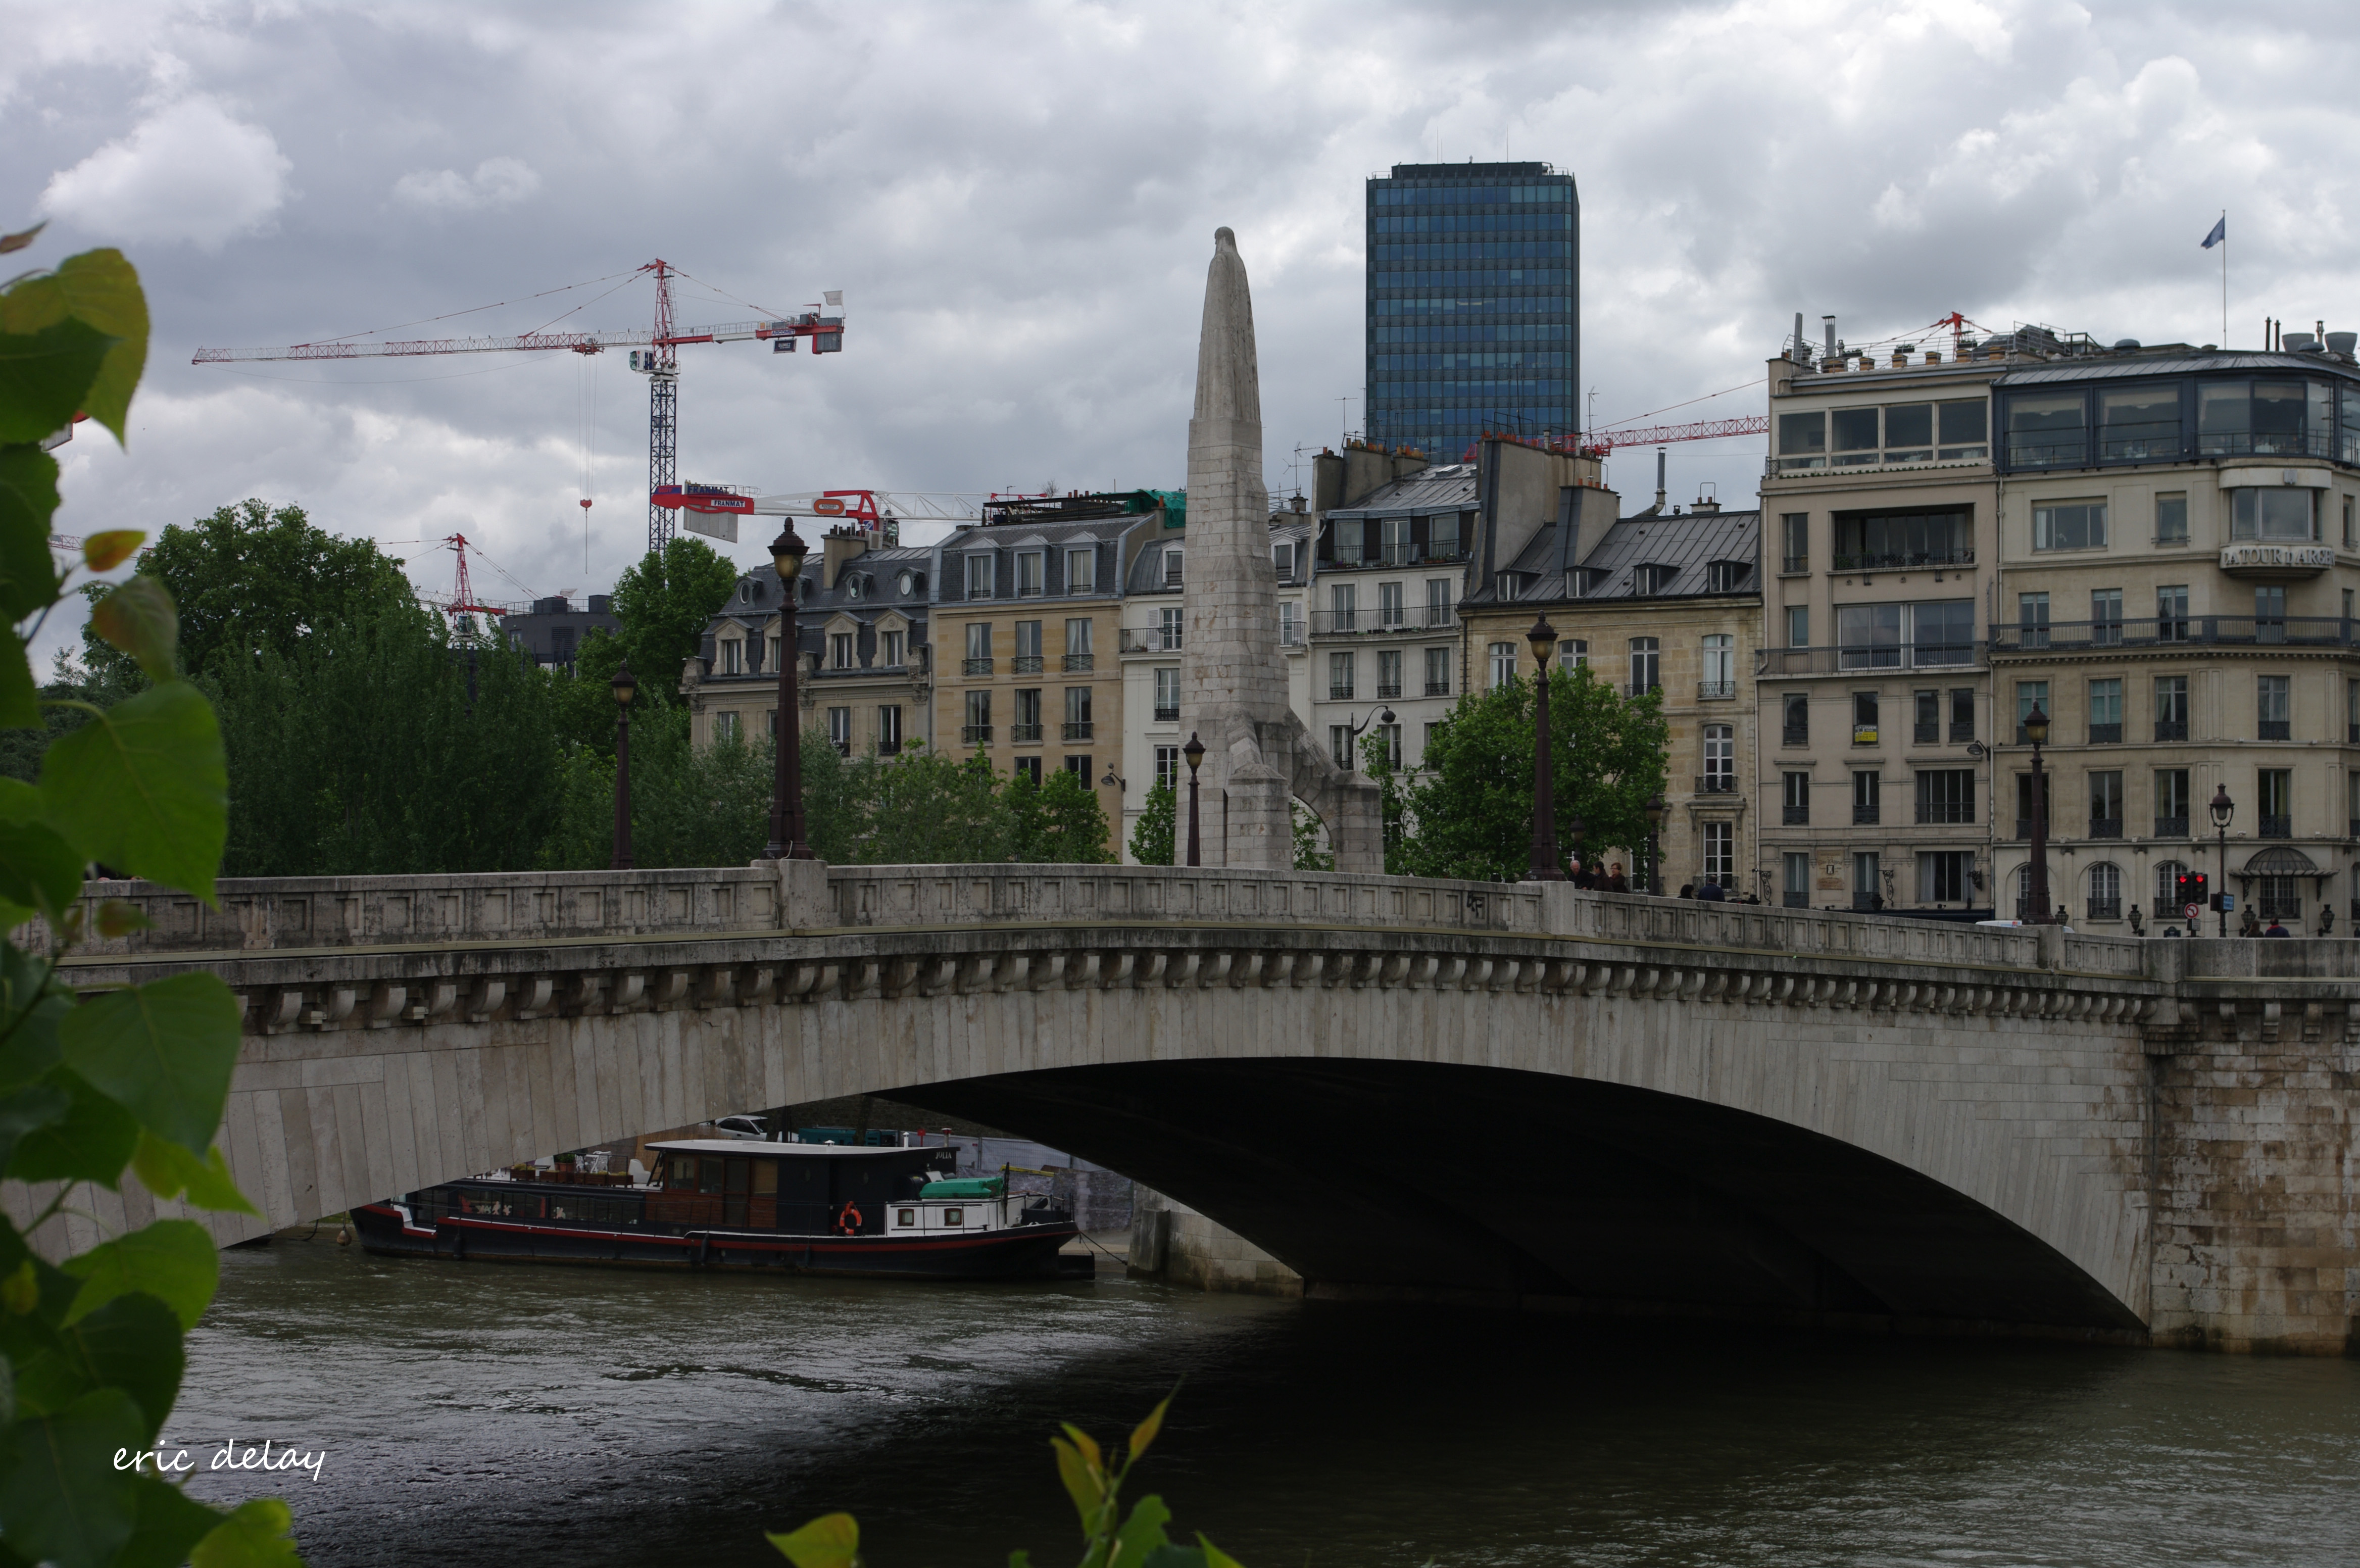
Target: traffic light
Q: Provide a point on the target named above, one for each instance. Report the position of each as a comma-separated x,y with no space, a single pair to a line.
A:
2189,888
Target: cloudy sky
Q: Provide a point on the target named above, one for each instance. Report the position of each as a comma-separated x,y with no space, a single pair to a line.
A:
1018,201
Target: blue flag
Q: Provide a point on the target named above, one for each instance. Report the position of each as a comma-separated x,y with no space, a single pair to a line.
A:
2220,234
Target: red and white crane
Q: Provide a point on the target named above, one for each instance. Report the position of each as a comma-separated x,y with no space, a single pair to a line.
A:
653,353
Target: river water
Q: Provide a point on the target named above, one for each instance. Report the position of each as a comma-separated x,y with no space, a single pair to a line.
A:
490,1414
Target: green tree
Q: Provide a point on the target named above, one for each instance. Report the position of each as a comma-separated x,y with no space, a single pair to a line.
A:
1057,822
1468,810
1153,838
927,807
103,1085
252,578
1312,850
664,603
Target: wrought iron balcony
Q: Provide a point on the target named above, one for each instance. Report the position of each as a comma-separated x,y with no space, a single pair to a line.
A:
2171,828
2202,630
1167,715
1024,664
1866,815
1862,660
2105,828
1906,560
1382,619
2171,729
2273,729
1716,691
1928,735
1339,694
1641,688
1961,731
1151,639
2105,734
1946,811
975,667
1798,816
1717,783
1791,736
889,748
1024,734
1796,900
1080,731
975,734
1795,564
2276,828
2106,908
1437,688
1080,661
1389,691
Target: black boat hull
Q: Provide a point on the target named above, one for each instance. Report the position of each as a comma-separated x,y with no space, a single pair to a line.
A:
1025,1252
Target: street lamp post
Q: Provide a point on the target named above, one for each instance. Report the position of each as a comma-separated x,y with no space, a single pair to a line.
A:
1194,752
1546,866
787,552
2222,808
1574,829
1654,845
625,688
2035,729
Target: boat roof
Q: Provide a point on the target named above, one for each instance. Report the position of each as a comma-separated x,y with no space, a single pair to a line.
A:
755,1146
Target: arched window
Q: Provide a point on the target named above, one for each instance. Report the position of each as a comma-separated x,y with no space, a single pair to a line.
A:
2106,891
2167,890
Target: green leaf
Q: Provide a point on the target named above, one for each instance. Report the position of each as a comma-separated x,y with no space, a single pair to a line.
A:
103,288
1170,1556
1082,1484
46,375
170,1522
34,1106
132,1343
168,1169
138,618
1214,1556
20,700
31,1008
1020,1560
109,548
831,1540
92,1143
29,499
172,1260
1144,1432
38,868
63,1500
144,788
255,1535
1140,1534
119,917
165,1050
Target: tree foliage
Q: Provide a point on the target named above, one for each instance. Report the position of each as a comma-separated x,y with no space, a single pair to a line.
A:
1152,840
1467,811
129,1084
664,603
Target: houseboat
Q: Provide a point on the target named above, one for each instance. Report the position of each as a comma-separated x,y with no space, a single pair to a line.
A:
817,1209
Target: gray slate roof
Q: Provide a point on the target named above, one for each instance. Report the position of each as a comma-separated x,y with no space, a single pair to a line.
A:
1450,488
1688,541
2120,367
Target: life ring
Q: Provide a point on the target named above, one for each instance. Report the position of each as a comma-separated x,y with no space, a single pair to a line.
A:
848,1222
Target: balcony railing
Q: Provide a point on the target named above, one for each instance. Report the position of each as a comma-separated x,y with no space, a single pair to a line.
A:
1859,660
1795,563
975,667
2171,729
1024,734
889,748
2106,908
1946,811
1024,664
1167,715
2276,828
2351,737
1339,694
1151,639
2105,734
975,734
2023,829
1961,731
1080,661
1906,559
2272,729
2296,630
1290,634
1798,816
2105,828
2171,828
1641,688
1384,620
1716,691
1717,783
1080,731
1790,735
1865,815
1437,688
1388,691
1928,735
1796,900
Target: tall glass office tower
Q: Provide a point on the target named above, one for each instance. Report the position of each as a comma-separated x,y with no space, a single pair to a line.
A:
1474,304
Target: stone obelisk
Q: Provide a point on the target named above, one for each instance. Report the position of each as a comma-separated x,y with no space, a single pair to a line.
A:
1258,756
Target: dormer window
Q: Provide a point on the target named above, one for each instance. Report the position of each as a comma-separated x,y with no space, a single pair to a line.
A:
1727,576
1171,567
1030,568
1511,585
978,576
1082,570
1282,556
906,582
1653,579
856,585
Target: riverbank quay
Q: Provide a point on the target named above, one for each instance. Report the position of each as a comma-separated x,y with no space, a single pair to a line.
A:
1778,1115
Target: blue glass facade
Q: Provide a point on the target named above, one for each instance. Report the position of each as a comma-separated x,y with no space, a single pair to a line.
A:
1474,319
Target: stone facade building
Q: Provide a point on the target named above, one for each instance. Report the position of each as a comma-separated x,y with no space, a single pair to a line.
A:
1652,602
867,675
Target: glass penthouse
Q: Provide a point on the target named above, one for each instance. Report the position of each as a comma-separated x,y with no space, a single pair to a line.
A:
1474,296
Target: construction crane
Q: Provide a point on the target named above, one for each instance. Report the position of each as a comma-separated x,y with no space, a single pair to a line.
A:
1600,443
653,354
714,510
461,604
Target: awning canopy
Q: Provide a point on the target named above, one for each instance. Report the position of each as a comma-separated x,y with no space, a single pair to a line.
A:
2280,860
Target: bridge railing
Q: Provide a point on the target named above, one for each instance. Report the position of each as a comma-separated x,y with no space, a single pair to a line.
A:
513,909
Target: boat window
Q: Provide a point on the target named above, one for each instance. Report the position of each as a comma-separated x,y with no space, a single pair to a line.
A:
766,1175
954,1216
741,1174
708,1176
907,1217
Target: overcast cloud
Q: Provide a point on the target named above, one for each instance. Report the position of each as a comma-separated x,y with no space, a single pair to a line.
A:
1018,201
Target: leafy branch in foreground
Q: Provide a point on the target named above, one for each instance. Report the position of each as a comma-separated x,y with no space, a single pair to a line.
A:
95,1085
1109,1539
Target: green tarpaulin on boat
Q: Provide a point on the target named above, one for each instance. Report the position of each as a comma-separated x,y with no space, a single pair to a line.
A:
964,1187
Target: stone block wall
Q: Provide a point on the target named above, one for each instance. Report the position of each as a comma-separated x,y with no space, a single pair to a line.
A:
1173,1242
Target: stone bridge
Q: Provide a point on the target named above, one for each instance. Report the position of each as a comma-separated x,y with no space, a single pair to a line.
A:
1397,1086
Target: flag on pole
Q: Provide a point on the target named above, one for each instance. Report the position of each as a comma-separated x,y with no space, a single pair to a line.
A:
2220,234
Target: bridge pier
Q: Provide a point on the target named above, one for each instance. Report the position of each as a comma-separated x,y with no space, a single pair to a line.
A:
1392,1087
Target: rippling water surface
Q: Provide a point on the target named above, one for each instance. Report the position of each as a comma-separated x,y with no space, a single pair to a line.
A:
482,1414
